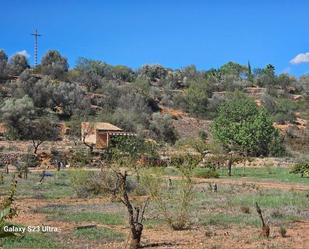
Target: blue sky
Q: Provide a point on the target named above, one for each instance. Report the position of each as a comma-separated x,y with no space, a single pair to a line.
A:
172,33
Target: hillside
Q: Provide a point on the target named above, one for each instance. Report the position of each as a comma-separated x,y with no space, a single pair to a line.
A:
152,101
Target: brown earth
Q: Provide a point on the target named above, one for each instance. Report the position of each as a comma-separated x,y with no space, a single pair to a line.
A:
163,237
198,237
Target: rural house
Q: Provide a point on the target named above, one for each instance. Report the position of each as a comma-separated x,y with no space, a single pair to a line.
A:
99,134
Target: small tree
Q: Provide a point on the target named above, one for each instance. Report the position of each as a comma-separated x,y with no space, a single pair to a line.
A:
16,113
173,200
39,131
54,64
196,97
243,127
7,210
17,64
136,213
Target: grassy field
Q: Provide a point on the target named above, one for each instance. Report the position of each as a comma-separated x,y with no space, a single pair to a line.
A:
232,207
265,173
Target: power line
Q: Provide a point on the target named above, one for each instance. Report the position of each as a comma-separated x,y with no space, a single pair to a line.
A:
36,35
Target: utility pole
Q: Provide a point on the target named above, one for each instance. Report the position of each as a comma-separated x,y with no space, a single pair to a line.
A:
36,35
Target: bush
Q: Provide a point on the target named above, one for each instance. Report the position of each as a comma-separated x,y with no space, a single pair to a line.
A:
89,183
282,231
162,128
205,173
187,161
301,168
79,158
173,198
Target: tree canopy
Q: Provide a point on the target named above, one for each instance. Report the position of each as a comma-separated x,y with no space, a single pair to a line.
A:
243,127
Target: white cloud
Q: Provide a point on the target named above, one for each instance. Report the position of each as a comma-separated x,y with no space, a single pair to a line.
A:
300,58
24,53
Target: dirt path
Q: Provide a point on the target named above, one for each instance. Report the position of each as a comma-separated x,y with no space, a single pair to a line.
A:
262,184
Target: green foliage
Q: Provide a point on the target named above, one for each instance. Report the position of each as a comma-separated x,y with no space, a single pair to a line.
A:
16,113
17,64
7,210
233,68
205,173
162,128
242,126
197,144
185,161
266,77
173,199
54,64
1,178
104,183
301,168
79,158
3,64
85,183
132,146
282,231
153,72
196,97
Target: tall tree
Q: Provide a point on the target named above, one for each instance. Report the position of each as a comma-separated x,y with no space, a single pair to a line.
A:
250,75
3,64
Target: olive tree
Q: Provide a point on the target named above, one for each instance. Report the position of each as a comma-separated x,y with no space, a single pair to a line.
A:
69,97
17,64
21,120
54,64
39,131
16,113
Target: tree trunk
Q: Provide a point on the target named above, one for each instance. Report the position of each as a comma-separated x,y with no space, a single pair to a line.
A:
136,234
35,148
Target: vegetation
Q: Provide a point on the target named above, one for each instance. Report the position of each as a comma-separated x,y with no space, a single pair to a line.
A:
243,127
188,128
301,168
7,210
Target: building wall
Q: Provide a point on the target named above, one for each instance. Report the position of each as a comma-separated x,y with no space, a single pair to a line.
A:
102,140
89,132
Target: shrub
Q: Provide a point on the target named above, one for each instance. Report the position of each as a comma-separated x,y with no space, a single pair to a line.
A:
196,97
245,210
30,159
282,231
79,158
173,198
205,173
301,168
162,128
89,183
